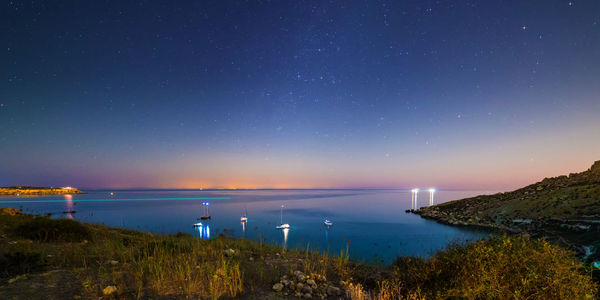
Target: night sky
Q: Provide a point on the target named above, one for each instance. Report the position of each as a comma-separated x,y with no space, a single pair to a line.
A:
297,94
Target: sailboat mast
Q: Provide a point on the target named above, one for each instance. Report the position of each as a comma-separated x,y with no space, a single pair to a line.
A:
281,216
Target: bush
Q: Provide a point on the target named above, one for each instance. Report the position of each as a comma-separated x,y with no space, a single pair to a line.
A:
19,263
499,268
45,229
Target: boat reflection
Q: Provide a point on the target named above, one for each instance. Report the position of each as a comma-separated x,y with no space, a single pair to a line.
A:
285,237
243,226
327,238
203,231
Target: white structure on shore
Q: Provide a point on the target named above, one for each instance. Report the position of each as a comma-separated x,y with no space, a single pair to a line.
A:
415,193
431,192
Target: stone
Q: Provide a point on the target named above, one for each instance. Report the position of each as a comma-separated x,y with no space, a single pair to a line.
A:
109,290
113,262
19,277
307,289
299,286
278,287
251,258
229,252
311,282
307,296
333,291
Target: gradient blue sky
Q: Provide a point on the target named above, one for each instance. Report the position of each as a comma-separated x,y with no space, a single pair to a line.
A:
303,94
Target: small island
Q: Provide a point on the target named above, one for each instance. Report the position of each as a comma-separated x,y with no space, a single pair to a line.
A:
37,191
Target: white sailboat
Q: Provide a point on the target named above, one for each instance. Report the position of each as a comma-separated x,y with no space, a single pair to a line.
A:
206,215
328,223
244,218
282,226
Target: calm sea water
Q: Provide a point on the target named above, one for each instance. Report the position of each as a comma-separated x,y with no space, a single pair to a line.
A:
372,224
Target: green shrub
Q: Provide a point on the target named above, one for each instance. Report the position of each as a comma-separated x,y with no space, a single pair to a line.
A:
46,230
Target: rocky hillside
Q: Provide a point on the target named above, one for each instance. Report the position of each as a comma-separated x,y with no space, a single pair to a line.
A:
564,207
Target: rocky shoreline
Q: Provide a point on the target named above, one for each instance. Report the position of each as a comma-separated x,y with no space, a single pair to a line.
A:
580,235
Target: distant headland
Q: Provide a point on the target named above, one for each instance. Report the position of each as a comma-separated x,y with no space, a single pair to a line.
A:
37,191
564,208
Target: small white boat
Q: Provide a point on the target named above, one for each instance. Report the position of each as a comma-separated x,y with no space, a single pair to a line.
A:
327,223
282,226
244,218
198,224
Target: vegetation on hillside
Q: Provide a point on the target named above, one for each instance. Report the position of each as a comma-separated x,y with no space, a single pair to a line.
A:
564,208
61,258
576,196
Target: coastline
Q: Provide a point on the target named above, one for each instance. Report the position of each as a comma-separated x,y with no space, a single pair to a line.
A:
92,260
37,191
580,235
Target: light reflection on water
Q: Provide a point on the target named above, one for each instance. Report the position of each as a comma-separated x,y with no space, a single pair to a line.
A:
203,231
372,223
285,237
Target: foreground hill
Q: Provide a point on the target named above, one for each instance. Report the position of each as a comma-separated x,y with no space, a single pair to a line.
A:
43,258
564,208
37,191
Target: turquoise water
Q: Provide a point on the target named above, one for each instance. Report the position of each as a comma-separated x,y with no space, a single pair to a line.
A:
372,224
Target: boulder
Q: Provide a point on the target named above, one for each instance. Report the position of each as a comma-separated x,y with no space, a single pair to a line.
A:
333,291
307,289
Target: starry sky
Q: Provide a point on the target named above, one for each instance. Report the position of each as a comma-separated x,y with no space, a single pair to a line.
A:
298,94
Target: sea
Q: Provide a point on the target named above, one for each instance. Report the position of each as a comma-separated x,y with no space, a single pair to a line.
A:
370,225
